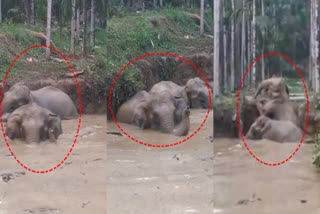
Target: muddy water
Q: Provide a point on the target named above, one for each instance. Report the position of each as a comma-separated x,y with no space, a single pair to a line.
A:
78,186
175,180
244,186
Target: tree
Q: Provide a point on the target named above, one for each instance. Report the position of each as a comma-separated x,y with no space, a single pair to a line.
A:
73,26
216,49
225,76
314,45
263,33
49,4
32,12
232,78
92,24
243,41
161,3
254,40
77,23
201,17
154,3
84,47
0,12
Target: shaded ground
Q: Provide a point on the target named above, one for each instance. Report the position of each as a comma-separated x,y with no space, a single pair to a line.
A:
244,186
171,180
78,186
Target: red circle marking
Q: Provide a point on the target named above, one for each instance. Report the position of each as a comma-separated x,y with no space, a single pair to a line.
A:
80,108
307,109
150,55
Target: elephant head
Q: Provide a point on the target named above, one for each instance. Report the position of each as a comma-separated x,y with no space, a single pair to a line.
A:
140,116
162,115
274,88
33,123
16,96
197,93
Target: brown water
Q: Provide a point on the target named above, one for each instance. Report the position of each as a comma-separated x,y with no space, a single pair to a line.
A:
78,186
244,186
172,180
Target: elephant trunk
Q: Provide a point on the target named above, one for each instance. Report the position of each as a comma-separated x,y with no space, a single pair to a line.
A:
167,123
183,127
32,135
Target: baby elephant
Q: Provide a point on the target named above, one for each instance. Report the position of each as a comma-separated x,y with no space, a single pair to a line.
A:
275,130
33,124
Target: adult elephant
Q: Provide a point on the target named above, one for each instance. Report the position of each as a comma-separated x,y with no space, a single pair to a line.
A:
33,123
275,130
135,110
195,92
47,97
164,109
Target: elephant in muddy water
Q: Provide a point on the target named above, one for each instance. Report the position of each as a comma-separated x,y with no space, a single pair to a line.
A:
278,110
33,123
169,114
195,93
135,110
273,88
47,97
275,130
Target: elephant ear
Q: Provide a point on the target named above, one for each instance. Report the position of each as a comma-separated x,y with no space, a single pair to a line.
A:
16,118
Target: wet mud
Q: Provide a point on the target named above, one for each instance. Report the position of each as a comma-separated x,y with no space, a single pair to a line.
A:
172,180
78,186
244,186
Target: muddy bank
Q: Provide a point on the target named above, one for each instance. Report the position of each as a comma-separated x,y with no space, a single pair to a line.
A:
244,186
155,69
78,186
170,180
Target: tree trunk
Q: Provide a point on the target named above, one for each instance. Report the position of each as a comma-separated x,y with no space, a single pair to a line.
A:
77,25
27,10
262,60
232,78
243,41
0,11
84,47
154,3
60,23
314,48
32,12
73,27
216,26
225,75
92,26
161,3
248,43
49,4
253,46
201,17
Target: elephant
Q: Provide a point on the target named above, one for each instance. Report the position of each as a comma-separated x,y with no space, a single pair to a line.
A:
171,87
163,113
278,110
197,93
135,110
274,88
249,113
33,123
275,130
47,97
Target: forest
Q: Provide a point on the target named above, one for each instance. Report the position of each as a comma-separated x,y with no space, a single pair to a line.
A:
246,29
97,46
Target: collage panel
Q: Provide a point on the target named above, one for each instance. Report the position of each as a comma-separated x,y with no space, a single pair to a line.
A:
160,116
266,109
53,110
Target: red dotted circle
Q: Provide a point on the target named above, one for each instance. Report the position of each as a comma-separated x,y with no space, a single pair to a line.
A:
151,55
307,109
80,108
